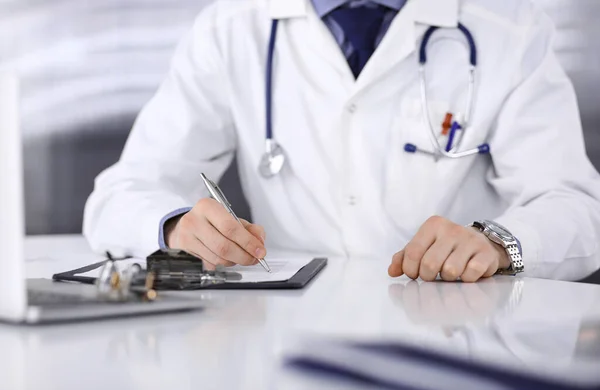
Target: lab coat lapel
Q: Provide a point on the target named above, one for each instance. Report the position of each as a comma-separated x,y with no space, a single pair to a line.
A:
397,44
406,29
324,45
318,39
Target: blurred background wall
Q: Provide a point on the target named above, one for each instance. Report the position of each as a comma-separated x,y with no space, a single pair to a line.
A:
88,66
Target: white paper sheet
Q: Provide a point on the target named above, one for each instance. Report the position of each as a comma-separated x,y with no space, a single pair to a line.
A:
282,269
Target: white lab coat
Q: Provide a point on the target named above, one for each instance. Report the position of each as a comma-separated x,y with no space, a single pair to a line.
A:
349,187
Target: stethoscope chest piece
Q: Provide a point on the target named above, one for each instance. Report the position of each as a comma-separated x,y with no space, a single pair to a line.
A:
273,160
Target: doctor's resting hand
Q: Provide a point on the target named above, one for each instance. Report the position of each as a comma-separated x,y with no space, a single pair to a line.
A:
210,233
452,251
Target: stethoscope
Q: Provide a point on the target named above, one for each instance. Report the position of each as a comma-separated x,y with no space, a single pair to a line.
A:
451,150
274,158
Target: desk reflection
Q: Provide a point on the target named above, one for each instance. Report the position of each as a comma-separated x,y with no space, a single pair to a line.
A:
456,303
183,351
503,332
500,321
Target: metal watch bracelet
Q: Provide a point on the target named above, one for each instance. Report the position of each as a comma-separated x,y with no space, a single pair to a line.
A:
498,234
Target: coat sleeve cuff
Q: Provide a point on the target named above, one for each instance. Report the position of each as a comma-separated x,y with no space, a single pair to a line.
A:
161,228
527,238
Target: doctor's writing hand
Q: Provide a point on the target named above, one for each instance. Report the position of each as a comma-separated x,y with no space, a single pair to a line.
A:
450,250
210,233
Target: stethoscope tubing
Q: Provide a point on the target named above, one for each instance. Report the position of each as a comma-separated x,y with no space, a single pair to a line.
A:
440,150
269,80
432,135
466,33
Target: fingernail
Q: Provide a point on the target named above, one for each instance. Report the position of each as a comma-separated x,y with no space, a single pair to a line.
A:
260,253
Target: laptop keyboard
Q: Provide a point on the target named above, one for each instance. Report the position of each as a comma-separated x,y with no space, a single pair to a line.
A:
44,298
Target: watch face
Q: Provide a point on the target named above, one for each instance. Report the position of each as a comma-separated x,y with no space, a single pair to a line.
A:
500,231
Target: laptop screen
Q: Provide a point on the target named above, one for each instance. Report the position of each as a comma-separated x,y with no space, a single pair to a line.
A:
12,231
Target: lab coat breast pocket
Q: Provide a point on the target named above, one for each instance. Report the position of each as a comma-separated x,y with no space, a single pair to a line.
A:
413,180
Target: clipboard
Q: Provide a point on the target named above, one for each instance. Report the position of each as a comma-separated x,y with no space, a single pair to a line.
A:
298,281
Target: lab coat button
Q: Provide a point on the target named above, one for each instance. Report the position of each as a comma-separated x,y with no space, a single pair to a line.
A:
352,108
352,200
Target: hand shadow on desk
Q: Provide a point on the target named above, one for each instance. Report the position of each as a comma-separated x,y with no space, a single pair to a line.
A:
443,303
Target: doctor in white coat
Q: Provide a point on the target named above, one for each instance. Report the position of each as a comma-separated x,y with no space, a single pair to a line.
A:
345,103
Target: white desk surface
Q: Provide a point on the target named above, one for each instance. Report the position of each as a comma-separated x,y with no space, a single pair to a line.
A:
238,340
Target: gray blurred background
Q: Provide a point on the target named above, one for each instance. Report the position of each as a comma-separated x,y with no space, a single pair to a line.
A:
87,68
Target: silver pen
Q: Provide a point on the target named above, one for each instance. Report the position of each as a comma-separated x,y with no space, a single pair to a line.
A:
219,196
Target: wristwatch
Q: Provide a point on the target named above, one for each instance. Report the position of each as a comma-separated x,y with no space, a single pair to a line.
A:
500,235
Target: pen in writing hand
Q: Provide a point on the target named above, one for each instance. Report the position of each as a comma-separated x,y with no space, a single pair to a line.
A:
219,196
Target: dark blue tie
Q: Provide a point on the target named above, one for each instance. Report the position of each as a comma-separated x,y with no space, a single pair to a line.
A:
361,27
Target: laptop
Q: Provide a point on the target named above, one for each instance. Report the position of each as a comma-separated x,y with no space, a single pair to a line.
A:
42,301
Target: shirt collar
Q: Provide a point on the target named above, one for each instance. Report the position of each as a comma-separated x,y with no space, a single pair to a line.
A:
442,13
323,7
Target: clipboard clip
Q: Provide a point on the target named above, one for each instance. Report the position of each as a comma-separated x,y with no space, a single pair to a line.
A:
178,270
